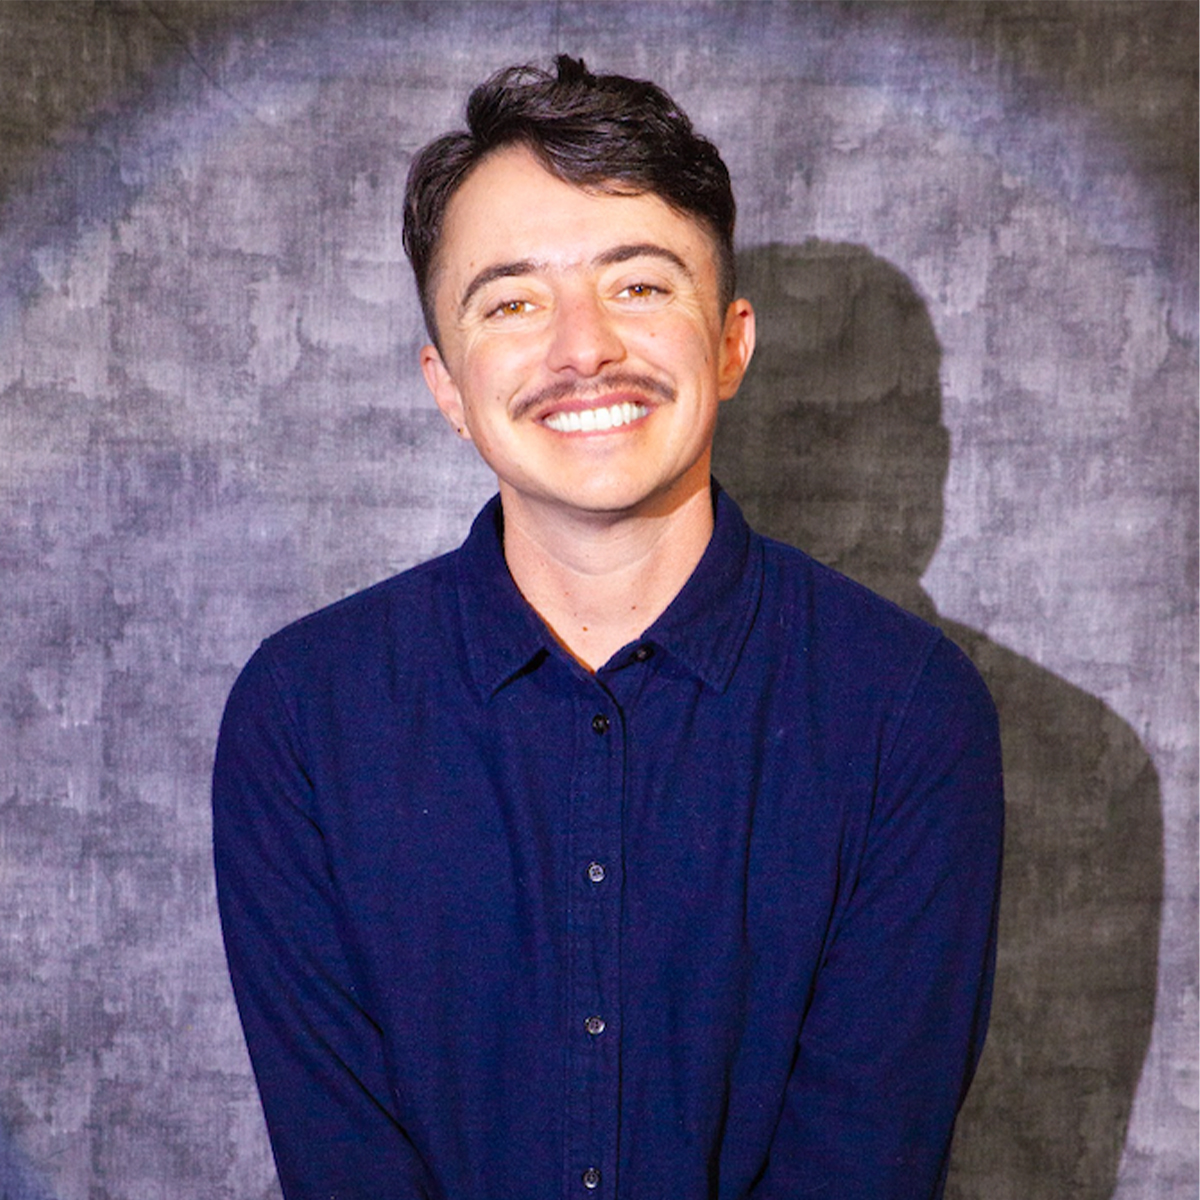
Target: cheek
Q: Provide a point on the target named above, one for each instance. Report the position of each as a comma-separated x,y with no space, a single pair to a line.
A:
668,336
491,364
683,349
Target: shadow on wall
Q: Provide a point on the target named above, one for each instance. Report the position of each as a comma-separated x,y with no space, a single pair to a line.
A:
835,444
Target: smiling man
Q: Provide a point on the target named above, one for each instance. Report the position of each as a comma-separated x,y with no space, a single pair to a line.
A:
621,852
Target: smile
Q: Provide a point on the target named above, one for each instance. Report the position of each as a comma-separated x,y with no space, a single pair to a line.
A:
590,419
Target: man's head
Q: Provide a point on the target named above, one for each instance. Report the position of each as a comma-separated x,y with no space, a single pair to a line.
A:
604,133
575,263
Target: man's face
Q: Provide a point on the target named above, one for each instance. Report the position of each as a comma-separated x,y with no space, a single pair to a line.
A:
583,347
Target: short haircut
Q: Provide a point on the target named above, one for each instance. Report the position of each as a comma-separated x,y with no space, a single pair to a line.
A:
605,133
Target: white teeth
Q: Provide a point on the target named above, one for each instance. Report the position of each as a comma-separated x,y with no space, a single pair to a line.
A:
596,418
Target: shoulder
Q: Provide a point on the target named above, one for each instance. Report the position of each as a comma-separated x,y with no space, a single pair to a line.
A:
833,612
361,640
861,643
345,674
408,599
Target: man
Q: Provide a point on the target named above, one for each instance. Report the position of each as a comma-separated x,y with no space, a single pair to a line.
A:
621,852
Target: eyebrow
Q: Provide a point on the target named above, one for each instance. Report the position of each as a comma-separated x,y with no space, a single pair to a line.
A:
620,254
526,266
523,266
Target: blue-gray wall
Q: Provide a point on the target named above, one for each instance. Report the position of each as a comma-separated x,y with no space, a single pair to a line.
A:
970,232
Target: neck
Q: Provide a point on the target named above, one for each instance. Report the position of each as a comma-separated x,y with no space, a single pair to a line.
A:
601,580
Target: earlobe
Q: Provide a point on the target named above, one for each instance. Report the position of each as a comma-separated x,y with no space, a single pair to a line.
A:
445,393
737,346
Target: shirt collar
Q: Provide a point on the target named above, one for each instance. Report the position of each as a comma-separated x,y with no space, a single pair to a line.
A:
704,627
501,631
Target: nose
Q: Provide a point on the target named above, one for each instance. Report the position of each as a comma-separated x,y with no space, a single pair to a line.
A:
584,336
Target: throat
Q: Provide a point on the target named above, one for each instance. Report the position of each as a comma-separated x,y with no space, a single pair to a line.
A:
593,646
599,589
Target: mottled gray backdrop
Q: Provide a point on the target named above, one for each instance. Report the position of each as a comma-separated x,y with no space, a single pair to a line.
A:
970,231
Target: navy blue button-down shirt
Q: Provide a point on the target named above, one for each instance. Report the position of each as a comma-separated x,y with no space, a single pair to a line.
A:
716,921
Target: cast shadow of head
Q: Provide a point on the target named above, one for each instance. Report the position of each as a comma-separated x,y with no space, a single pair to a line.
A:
835,444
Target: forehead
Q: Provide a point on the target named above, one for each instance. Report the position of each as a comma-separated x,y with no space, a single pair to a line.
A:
511,208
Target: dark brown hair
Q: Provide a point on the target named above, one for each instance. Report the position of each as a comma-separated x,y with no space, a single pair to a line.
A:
601,132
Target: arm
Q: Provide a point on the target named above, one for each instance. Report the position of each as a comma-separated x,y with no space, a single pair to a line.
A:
899,1012
317,1056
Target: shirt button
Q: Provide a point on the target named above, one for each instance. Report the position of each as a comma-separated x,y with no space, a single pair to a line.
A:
595,872
594,1025
600,723
591,1178
643,652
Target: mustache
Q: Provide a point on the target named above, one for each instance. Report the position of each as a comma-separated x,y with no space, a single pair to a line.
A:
574,389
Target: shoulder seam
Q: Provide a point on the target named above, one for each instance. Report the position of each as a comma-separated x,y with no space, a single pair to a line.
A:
935,638
273,674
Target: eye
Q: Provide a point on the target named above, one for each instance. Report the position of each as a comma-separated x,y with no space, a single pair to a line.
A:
641,291
511,308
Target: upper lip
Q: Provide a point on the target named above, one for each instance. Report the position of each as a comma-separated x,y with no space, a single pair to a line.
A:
582,404
577,395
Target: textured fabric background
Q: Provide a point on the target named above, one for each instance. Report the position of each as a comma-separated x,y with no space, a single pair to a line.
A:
970,232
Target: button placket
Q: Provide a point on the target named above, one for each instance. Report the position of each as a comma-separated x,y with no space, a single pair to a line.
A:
594,1046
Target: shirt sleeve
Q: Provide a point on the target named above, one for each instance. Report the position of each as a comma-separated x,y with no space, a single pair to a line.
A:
897,1018
317,1056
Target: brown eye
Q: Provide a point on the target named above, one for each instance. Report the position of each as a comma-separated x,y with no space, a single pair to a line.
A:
511,308
641,291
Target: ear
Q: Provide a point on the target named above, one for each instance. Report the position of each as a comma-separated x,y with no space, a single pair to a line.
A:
737,346
445,393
